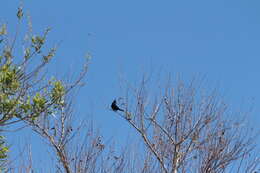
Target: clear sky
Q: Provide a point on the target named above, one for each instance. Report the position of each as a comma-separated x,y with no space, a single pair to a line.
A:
219,39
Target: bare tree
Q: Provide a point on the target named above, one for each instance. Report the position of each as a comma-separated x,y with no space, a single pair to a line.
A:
187,129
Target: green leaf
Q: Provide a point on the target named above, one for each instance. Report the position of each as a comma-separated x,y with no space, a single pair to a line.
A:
57,93
3,30
27,53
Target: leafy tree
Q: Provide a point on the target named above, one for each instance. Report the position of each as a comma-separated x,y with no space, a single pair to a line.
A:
44,104
26,93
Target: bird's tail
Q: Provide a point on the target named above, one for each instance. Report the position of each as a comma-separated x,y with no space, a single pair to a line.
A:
121,110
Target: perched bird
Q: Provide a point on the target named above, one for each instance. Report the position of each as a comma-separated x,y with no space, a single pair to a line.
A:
115,107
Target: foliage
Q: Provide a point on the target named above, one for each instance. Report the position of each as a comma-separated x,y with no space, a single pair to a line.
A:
26,94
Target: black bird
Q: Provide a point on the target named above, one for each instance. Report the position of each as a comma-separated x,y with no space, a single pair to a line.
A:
115,107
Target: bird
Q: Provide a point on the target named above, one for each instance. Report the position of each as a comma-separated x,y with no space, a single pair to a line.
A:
115,107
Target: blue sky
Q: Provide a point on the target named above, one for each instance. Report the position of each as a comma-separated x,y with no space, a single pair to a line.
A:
219,39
